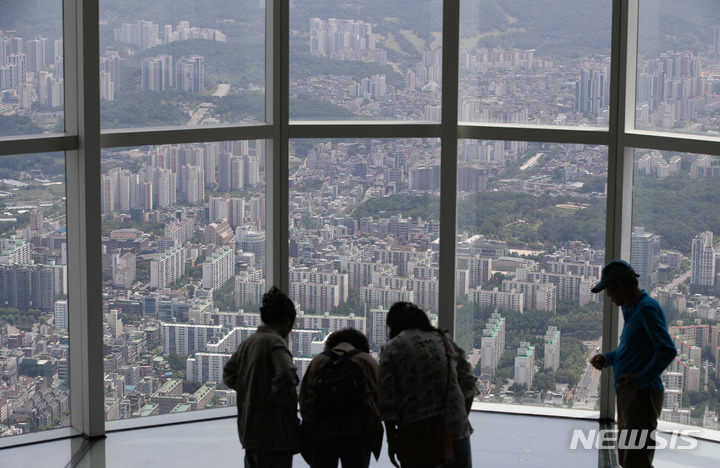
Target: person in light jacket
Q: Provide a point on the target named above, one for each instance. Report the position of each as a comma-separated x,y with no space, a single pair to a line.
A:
262,373
413,372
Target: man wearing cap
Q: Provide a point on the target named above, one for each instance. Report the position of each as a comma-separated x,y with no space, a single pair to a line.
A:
645,350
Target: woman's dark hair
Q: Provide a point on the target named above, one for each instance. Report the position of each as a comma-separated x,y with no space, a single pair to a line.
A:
348,335
407,316
276,306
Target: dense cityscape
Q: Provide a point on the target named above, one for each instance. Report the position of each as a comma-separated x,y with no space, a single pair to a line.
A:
184,225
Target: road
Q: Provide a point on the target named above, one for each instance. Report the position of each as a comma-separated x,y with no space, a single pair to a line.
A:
586,393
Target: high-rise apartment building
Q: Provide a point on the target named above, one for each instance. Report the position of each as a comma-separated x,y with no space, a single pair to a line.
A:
218,268
167,267
492,344
251,241
320,297
185,338
60,315
190,74
157,73
249,288
512,300
525,365
645,256
551,358
377,327
703,260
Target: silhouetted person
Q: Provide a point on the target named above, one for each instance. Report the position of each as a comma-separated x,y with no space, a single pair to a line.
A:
413,376
348,430
645,350
262,373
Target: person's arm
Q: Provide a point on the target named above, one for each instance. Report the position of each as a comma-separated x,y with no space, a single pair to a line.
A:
610,358
309,379
664,348
466,379
285,378
388,398
230,372
372,379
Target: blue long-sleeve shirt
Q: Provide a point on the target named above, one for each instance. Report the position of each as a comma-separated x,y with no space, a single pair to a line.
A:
646,348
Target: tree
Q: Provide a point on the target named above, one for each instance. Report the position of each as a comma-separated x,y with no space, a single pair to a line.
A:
176,362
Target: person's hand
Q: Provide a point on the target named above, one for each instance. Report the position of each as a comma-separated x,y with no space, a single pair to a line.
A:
391,431
392,453
599,361
626,384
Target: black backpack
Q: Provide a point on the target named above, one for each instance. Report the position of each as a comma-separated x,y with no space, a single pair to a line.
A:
340,388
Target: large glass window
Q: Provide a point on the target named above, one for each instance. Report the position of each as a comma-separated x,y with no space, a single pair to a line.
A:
183,271
32,90
183,222
364,231
530,221
166,63
369,61
677,89
674,249
34,322
526,63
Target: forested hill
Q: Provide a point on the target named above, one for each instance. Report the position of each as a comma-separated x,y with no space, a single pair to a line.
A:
523,219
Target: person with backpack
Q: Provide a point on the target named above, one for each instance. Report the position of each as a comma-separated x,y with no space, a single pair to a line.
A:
338,395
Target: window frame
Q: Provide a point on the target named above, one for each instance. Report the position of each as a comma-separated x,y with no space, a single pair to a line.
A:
83,142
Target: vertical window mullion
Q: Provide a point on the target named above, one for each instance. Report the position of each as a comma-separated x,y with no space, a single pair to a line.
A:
81,33
277,84
448,163
620,171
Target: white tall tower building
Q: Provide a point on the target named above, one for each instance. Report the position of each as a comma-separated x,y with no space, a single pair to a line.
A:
61,314
525,364
492,344
552,349
703,260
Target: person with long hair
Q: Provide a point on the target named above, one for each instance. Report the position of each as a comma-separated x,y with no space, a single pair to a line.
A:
414,375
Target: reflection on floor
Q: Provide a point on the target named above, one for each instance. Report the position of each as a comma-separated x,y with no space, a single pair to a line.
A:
499,441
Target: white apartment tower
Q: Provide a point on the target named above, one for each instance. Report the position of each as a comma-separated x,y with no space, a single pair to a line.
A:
492,344
61,315
525,364
552,349
167,267
218,268
703,260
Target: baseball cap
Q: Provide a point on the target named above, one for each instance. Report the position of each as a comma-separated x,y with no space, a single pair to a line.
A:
615,270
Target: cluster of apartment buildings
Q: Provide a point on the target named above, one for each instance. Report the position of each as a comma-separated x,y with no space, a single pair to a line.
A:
31,70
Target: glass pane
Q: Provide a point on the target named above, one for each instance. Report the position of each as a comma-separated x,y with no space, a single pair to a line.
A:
168,64
364,227
535,63
678,58
32,92
674,244
183,258
365,61
531,239
34,341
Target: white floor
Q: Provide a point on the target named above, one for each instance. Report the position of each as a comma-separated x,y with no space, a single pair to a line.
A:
499,441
